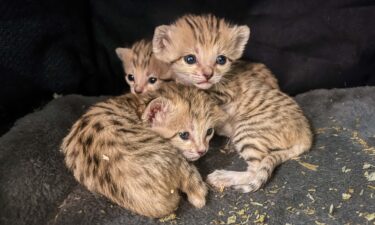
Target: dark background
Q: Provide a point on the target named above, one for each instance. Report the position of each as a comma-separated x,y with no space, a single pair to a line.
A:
64,47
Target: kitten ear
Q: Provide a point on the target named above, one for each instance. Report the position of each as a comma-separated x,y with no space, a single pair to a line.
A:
157,111
241,37
161,41
123,54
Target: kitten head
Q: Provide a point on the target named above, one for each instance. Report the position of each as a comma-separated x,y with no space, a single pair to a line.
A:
143,72
200,49
186,117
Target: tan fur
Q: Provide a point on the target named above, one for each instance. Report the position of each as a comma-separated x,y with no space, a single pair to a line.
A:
140,62
206,37
257,71
128,148
266,126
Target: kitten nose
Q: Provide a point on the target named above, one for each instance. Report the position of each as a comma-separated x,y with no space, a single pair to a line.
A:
207,72
208,75
201,152
138,90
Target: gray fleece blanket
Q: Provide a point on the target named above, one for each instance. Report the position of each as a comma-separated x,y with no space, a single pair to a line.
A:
332,184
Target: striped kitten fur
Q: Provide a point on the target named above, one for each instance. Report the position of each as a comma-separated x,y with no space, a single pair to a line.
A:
143,72
266,126
199,49
133,149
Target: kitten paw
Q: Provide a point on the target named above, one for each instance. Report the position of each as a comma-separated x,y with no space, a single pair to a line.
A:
243,188
198,197
197,202
220,179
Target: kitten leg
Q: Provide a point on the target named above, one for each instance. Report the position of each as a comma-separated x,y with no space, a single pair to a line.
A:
262,174
244,188
193,185
253,149
252,168
268,164
227,178
252,155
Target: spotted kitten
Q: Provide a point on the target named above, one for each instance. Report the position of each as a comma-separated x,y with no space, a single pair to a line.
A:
129,148
266,126
143,72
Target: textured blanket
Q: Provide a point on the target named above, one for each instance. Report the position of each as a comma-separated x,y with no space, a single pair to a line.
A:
332,184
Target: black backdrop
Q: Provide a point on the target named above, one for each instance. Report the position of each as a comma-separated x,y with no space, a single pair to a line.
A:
56,46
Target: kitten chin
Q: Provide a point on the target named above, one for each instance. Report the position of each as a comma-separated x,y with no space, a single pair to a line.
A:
203,85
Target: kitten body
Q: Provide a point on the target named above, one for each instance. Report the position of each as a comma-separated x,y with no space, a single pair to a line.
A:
130,149
266,126
143,72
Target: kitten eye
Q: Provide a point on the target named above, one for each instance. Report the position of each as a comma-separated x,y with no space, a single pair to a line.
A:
210,131
130,77
184,135
190,59
152,80
221,60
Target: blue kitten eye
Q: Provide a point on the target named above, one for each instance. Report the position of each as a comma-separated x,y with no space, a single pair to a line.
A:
184,135
152,80
210,131
190,59
221,60
130,77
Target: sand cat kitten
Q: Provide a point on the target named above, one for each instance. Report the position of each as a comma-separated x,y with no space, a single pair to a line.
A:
201,49
143,72
266,126
129,148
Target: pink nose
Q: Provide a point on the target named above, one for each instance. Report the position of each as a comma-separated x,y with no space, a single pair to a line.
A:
208,75
207,72
201,152
138,90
